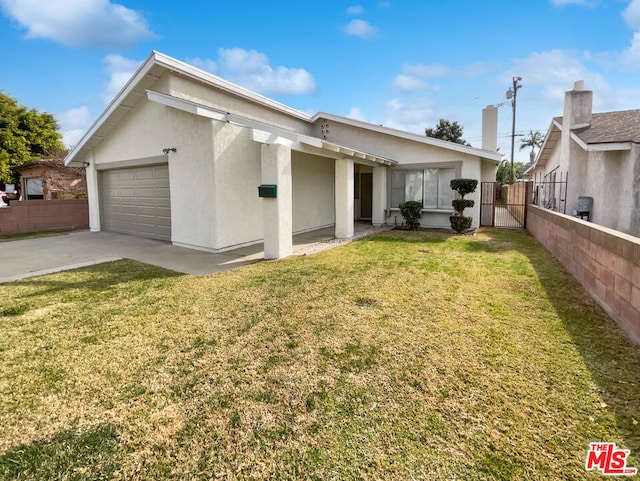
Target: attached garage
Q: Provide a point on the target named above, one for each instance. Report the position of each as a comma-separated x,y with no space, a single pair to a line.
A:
136,201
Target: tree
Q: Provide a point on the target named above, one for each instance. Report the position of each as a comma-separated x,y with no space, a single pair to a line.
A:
446,130
533,140
502,175
25,135
460,222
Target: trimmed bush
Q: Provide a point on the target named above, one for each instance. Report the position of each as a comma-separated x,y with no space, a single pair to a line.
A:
411,211
464,186
460,204
459,222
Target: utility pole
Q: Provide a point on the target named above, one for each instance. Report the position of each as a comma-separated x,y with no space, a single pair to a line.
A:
512,93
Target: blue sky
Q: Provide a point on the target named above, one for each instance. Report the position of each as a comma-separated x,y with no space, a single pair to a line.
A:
403,64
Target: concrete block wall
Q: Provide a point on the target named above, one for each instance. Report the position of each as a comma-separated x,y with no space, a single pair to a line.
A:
41,215
605,262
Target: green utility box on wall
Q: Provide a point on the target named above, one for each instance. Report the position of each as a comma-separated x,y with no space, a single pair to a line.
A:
268,190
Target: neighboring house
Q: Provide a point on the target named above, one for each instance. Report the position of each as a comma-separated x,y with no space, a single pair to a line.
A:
50,179
599,155
179,155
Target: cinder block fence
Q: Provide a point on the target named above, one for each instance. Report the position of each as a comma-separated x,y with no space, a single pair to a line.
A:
605,261
41,215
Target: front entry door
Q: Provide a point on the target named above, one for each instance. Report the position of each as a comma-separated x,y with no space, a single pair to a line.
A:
366,195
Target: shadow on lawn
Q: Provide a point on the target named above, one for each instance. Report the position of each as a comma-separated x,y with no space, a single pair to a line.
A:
611,358
96,278
90,455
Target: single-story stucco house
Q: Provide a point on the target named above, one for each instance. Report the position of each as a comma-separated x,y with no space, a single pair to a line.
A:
599,156
180,154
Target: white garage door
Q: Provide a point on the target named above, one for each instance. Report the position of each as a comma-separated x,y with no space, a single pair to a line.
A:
136,201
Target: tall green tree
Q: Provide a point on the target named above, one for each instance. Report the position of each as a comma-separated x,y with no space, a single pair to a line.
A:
533,140
502,175
25,135
445,130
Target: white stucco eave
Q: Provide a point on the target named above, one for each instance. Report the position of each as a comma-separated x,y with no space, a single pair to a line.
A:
265,133
464,149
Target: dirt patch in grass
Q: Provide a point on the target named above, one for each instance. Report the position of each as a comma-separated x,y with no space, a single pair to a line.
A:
405,355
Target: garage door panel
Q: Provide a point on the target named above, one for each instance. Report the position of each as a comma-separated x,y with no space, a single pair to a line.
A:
137,201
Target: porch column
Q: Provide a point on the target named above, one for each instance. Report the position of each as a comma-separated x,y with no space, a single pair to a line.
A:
379,195
344,198
93,193
277,212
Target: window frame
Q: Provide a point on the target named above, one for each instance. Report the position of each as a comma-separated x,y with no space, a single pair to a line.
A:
392,190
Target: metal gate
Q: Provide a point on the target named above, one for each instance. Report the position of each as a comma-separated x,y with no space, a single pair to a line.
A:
504,206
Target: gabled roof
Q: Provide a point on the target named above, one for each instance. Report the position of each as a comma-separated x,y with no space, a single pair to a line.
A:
608,131
465,149
611,127
157,64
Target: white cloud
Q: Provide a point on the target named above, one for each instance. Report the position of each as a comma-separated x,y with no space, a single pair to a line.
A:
360,28
631,15
630,57
356,114
355,10
73,124
410,117
79,23
554,72
407,83
426,71
120,70
562,3
251,69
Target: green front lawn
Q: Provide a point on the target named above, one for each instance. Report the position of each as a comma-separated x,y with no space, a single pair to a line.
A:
401,356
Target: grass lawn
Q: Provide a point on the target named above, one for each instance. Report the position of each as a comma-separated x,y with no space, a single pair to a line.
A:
400,356
29,235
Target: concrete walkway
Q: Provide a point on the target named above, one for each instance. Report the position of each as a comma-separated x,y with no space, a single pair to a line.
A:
44,255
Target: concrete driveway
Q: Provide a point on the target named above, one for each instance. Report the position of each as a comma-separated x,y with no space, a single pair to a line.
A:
44,255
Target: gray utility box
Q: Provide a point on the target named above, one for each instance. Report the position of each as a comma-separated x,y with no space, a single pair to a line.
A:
585,206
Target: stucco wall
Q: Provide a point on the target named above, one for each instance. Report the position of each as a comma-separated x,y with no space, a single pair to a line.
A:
143,134
313,191
237,167
186,89
408,152
612,178
606,262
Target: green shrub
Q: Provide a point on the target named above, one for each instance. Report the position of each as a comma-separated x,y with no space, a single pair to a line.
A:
464,186
460,204
411,211
459,222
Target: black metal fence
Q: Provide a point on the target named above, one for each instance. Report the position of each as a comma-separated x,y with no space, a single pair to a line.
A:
550,191
504,205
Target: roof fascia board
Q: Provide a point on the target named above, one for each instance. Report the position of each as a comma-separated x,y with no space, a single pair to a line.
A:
487,154
186,106
142,71
579,141
213,80
609,147
540,160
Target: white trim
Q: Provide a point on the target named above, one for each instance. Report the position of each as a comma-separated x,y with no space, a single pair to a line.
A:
485,154
607,147
215,81
263,132
186,106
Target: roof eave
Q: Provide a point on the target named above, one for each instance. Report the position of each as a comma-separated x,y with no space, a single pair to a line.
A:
485,154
